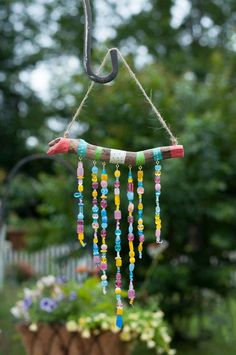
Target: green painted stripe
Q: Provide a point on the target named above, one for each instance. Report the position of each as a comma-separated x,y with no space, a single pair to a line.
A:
98,153
140,158
157,154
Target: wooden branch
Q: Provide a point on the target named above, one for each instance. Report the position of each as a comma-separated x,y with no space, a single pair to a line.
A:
115,156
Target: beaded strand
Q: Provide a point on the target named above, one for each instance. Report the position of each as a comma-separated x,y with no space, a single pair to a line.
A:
117,216
140,191
103,204
79,195
157,209
130,196
95,211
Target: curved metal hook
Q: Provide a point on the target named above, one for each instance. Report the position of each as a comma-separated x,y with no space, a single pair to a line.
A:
87,50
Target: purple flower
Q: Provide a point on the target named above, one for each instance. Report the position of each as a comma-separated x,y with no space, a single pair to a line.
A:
73,296
27,302
61,279
47,304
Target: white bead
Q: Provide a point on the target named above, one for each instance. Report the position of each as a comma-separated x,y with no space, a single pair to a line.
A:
117,156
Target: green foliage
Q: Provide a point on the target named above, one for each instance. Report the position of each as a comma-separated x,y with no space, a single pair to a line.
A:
192,81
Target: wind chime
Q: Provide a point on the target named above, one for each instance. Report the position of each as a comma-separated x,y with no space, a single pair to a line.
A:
99,181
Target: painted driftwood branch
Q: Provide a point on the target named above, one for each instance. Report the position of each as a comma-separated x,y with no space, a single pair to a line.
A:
115,156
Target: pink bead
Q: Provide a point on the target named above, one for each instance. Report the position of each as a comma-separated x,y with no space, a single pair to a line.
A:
103,203
103,233
158,187
141,238
95,185
118,276
131,207
80,228
80,169
157,179
118,284
95,225
103,266
117,184
130,237
158,233
131,294
130,186
117,215
96,259
104,183
104,247
140,190
130,219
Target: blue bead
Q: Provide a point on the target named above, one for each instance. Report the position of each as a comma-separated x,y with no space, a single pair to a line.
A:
104,225
77,194
80,216
104,283
131,229
117,248
95,208
130,195
131,267
119,321
117,232
94,169
158,167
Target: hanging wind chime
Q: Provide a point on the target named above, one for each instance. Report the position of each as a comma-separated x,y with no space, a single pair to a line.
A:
99,181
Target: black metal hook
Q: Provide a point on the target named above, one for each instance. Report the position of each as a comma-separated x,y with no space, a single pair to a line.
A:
87,50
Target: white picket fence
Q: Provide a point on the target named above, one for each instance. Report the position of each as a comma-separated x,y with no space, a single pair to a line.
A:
45,262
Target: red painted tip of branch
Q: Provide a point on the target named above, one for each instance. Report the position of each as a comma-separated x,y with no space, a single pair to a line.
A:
62,146
177,151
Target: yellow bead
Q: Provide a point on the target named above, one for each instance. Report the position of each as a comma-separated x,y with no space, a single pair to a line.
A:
117,199
119,311
140,247
117,173
104,177
103,260
94,180
104,197
118,291
94,193
131,253
80,235
140,174
132,260
131,246
118,262
95,240
140,221
130,179
80,188
140,206
140,227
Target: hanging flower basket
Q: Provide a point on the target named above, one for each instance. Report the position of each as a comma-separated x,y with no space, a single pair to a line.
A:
55,339
59,317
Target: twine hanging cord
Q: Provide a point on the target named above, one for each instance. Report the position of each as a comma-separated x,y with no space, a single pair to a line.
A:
133,76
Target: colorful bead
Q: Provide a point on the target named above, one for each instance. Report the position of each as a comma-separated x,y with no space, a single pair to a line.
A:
95,210
157,209
79,196
117,216
130,196
104,224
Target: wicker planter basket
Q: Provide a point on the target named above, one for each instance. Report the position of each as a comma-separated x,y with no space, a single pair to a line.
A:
56,340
